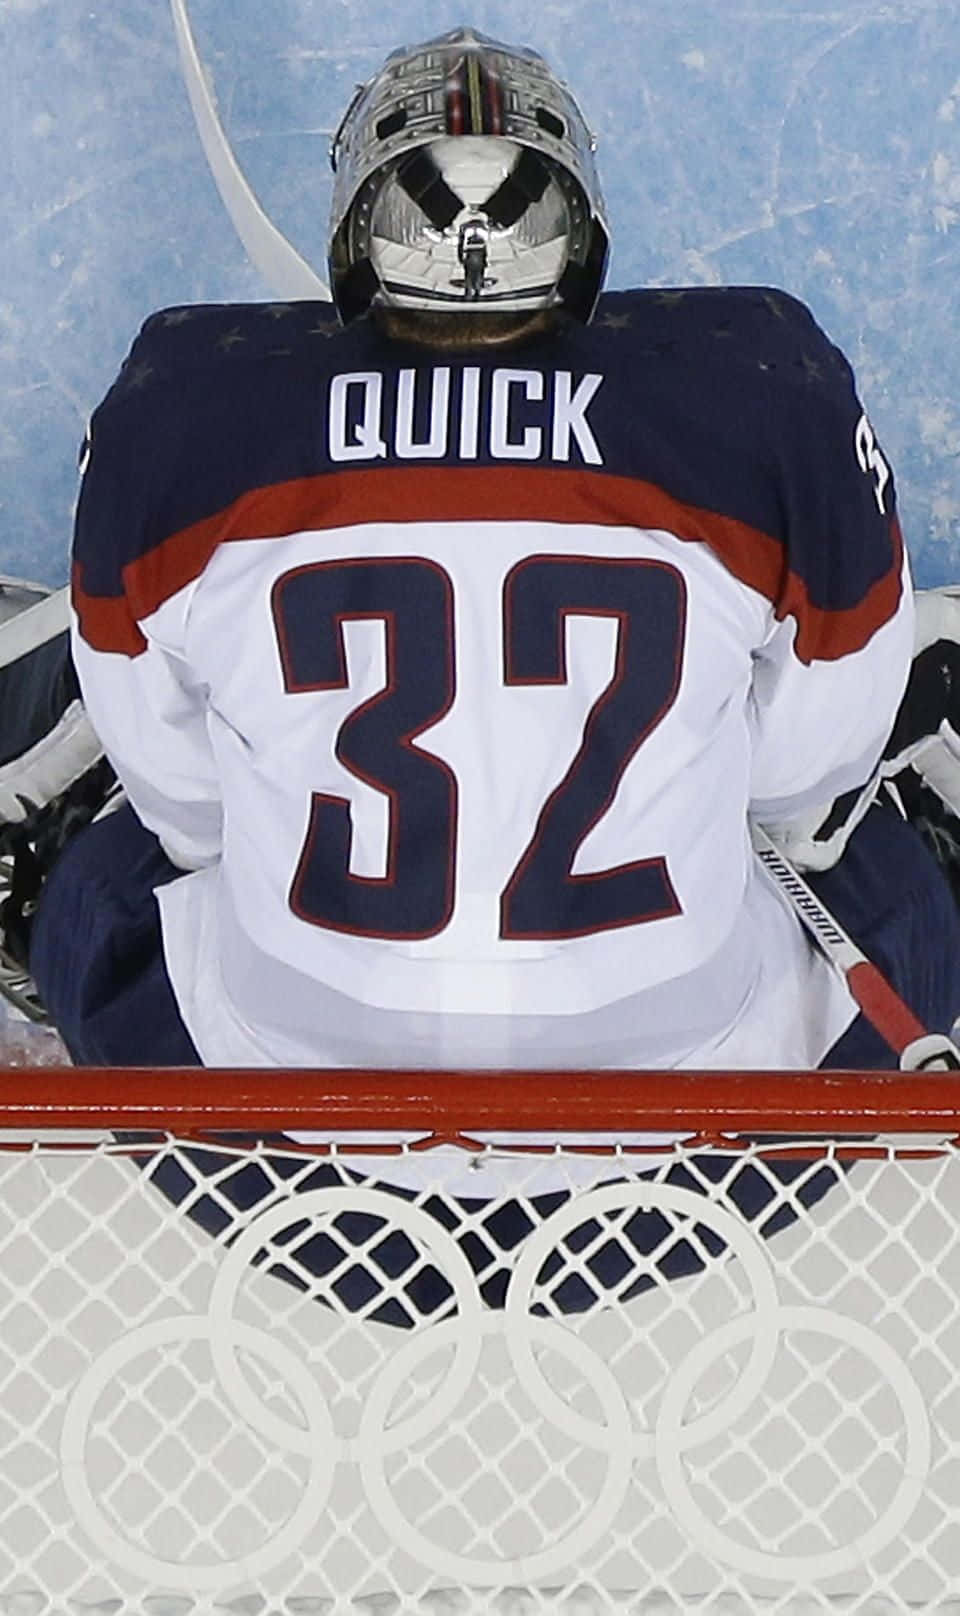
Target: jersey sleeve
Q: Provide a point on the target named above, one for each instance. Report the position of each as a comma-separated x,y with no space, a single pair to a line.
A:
168,461
150,714
819,729
152,722
829,677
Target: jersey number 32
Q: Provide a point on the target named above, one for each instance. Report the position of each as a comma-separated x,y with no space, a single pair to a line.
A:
413,598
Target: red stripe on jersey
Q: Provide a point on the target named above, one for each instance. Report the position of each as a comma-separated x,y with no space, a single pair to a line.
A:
500,493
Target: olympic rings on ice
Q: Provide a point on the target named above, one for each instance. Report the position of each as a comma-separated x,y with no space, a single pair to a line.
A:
472,1569
218,1574
661,1197
326,1204
612,1430
784,1567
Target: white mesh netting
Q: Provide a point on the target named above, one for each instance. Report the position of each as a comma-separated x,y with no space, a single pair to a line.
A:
234,1379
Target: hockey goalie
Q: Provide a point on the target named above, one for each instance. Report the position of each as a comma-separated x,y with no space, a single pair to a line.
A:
429,654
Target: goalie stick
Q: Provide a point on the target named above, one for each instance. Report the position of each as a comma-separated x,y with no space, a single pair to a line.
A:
918,1049
285,272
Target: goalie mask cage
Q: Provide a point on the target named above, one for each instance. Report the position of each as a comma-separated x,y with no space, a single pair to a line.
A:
310,1343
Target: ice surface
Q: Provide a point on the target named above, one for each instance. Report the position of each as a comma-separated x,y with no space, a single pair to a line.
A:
813,146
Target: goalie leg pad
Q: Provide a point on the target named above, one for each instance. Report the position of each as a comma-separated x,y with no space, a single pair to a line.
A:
890,894
96,951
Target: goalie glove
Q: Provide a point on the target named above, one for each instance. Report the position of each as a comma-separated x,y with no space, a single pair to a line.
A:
816,841
926,735
921,756
54,777
46,741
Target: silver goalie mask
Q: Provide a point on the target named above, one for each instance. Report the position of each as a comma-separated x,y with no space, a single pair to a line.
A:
465,179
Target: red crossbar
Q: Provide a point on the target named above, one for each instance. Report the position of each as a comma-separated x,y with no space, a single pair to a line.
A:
192,1101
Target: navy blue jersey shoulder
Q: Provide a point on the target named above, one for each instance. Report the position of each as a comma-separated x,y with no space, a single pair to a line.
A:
753,326
219,337
731,401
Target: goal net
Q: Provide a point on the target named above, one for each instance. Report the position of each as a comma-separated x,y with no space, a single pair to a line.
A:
291,1344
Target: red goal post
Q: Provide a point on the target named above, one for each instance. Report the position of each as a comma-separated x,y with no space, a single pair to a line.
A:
354,1341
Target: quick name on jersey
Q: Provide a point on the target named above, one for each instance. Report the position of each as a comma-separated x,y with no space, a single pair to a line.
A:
431,413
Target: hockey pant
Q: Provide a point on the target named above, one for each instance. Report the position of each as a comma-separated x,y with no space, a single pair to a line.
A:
97,953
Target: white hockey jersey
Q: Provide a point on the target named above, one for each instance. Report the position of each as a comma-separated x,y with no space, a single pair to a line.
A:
452,680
